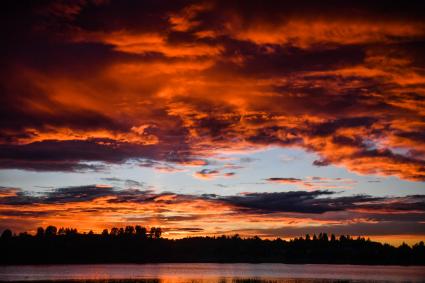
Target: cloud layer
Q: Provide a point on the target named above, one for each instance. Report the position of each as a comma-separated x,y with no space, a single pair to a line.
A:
268,214
112,81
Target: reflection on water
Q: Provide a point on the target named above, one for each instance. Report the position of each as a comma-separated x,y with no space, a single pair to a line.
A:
212,273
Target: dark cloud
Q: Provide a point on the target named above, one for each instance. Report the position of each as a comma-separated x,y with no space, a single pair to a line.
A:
15,196
207,172
70,155
329,127
165,167
314,182
399,204
218,172
272,10
125,182
293,201
320,163
58,196
304,202
317,202
77,194
146,16
259,63
283,180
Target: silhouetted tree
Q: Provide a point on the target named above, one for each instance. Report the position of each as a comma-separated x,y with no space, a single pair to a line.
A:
61,231
7,234
141,231
419,245
114,232
40,232
152,232
155,233
71,232
122,245
23,234
51,231
158,233
129,230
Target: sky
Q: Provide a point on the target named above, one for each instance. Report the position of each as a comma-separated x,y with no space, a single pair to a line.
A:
268,118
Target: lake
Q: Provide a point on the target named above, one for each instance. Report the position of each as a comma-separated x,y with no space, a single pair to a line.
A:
212,272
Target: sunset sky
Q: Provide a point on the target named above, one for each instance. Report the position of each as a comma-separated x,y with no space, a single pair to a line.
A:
268,118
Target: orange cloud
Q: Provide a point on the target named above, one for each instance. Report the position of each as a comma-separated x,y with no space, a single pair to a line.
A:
307,33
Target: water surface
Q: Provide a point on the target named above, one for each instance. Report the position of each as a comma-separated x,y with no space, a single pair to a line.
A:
211,272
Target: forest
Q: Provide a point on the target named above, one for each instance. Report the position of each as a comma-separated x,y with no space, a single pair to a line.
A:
136,244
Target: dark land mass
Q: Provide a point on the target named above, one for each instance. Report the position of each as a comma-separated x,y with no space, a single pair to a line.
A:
236,280
137,245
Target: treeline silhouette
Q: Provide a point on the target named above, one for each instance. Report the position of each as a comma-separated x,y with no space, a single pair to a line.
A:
136,244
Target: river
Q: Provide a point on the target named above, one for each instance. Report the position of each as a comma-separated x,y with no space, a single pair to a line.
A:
212,272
